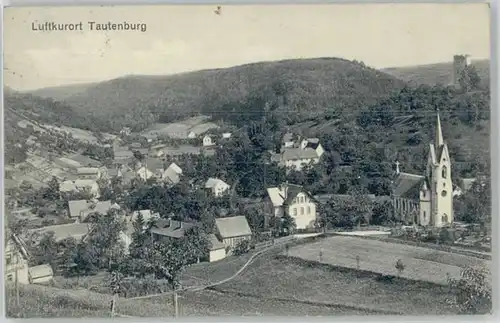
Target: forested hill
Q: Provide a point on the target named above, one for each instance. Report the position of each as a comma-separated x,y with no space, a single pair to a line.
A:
306,87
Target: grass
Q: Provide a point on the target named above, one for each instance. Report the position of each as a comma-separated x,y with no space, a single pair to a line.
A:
380,257
301,281
273,285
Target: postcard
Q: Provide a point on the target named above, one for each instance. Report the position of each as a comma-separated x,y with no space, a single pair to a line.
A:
247,160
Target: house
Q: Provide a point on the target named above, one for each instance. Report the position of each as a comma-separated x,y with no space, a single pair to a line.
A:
233,230
80,185
426,199
125,131
88,173
172,174
41,274
208,141
144,173
216,249
76,231
85,161
16,261
295,201
226,135
192,135
216,186
157,151
297,152
122,154
81,209
166,229
142,151
176,152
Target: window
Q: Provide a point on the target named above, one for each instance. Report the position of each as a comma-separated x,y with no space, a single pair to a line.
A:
301,199
301,211
435,187
443,193
444,219
425,215
308,210
424,193
444,172
8,260
294,211
10,277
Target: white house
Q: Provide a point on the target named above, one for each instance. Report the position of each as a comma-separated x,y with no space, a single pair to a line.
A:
226,135
80,185
81,209
216,186
144,173
297,152
233,230
172,174
192,135
295,201
208,141
216,250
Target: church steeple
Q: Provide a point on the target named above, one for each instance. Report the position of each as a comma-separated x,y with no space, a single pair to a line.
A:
439,132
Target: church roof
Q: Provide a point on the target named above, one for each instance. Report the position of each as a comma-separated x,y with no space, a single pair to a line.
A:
407,185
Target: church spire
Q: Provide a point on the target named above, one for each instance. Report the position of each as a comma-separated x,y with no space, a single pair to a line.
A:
439,133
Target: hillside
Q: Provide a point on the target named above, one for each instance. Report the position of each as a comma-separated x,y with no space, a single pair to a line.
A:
61,92
305,87
440,73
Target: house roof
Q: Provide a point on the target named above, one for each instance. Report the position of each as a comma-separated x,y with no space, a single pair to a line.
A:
214,243
171,176
87,170
172,228
288,137
298,153
406,184
235,226
68,162
182,149
212,182
153,163
40,271
84,208
279,197
112,172
86,161
64,231
123,154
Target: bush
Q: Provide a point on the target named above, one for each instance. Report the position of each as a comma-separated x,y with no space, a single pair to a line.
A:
242,247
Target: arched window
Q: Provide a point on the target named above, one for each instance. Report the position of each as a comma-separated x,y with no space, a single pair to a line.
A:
444,172
444,219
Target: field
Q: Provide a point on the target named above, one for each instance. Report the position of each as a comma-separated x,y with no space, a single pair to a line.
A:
380,257
181,129
273,285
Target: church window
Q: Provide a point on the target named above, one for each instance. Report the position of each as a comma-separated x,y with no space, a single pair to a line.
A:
9,277
424,193
308,210
444,219
294,211
444,172
425,215
301,211
443,193
435,187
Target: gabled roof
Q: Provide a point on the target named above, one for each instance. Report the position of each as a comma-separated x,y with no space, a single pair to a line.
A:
407,185
285,194
64,231
298,154
86,161
84,208
212,182
235,226
72,185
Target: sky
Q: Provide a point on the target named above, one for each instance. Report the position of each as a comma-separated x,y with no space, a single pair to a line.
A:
181,38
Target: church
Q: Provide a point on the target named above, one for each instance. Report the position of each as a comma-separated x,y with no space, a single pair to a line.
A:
426,200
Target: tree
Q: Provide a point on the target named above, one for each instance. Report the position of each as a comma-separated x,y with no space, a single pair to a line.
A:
472,291
469,79
475,205
115,282
241,247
